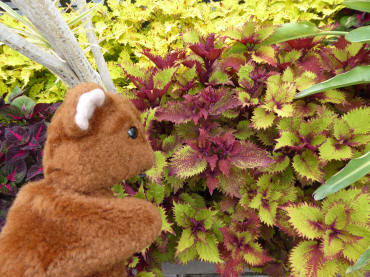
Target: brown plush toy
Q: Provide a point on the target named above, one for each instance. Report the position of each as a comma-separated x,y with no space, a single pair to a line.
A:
69,224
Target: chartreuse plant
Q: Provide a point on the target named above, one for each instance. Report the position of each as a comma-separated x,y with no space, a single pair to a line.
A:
338,230
238,156
126,28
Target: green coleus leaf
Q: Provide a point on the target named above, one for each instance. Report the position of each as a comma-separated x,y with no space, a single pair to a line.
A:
166,225
267,213
280,164
262,119
187,255
361,262
356,76
156,172
306,259
307,165
155,193
182,212
191,37
243,130
118,191
244,73
207,217
307,220
287,138
186,162
264,54
208,251
186,240
162,78
353,171
331,150
219,77
255,255
358,120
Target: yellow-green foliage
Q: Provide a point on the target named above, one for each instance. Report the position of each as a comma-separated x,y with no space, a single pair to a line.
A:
129,27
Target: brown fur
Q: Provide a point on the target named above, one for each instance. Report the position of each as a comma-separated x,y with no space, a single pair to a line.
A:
69,224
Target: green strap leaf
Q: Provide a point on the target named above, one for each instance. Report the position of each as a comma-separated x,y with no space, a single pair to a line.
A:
360,5
353,171
291,31
356,76
361,34
361,262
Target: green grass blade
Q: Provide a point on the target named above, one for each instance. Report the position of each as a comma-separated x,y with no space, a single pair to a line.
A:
360,5
18,17
361,34
361,262
78,19
291,31
356,76
354,170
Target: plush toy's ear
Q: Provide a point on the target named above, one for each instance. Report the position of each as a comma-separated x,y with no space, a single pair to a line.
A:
86,106
76,113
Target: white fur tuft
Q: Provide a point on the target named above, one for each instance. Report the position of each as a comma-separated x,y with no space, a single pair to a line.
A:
87,103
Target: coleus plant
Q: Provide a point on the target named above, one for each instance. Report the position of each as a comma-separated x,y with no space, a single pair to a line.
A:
22,137
238,157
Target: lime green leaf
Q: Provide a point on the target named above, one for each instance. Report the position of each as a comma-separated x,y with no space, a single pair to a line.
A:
361,34
287,138
358,120
306,220
244,73
360,5
358,75
187,162
162,78
166,226
361,262
330,150
181,212
145,274
219,77
262,119
307,165
188,255
155,193
191,37
208,251
353,171
156,172
332,245
119,191
186,240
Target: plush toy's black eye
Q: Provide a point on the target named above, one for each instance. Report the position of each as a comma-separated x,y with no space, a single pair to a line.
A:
132,132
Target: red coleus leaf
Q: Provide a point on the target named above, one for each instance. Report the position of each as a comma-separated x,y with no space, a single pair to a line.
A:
250,156
170,60
206,50
303,43
212,183
208,102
